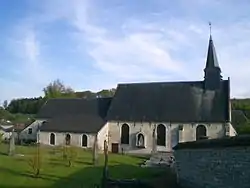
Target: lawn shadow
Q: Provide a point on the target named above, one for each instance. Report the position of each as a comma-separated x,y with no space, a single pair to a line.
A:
3,153
90,176
26,174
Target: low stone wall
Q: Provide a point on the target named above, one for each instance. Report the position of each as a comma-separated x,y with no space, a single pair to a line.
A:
214,163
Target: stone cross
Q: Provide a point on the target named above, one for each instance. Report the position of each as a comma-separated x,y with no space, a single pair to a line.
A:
154,149
12,144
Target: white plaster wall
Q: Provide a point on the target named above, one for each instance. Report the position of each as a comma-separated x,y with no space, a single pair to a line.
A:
5,135
214,130
102,135
173,134
76,138
232,131
145,128
35,125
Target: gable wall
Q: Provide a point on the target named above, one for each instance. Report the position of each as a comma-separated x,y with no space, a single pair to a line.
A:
35,125
103,134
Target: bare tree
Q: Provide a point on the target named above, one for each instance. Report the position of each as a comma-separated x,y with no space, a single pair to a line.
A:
35,161
69,154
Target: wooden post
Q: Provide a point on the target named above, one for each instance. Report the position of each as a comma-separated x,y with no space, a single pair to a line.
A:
105,169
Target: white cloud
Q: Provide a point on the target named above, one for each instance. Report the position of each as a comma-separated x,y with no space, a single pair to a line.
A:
137,50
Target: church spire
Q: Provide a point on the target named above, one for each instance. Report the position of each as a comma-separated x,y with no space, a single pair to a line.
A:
212,69
212,60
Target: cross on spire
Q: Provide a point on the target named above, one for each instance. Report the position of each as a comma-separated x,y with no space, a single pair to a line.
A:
210,28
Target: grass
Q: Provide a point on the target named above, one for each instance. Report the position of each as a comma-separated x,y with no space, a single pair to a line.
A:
15,171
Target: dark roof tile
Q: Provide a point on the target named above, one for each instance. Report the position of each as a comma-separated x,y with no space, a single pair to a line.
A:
170,102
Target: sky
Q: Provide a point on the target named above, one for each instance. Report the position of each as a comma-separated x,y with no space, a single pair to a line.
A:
96,44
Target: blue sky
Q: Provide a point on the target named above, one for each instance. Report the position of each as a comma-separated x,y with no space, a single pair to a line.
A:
95,44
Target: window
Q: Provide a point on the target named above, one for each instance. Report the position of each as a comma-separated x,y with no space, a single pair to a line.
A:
140,141
180,127
201,132
161,135
125,134
30,131
84,140
52,139
67,139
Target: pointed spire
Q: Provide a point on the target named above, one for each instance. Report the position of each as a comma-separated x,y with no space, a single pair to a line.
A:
212,78
212,60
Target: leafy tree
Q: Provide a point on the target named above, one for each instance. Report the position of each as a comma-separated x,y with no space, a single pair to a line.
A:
57,89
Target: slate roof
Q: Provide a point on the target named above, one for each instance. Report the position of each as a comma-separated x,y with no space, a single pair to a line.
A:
170,102
74,123
74,115
64,107
212,60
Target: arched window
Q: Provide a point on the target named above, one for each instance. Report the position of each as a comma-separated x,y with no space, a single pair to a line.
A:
52,139
125,134
67,139
84,140
201,132
161,135
140,140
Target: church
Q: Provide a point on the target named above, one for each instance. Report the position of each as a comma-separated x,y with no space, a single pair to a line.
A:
142,117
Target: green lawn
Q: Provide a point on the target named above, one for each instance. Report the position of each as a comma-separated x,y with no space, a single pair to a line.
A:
15,171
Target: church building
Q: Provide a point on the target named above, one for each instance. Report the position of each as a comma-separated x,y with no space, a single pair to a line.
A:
143,117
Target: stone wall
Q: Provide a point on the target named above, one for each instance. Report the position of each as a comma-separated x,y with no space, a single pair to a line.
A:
214,163
173,134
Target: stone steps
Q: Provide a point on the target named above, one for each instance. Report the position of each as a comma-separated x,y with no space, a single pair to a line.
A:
159,159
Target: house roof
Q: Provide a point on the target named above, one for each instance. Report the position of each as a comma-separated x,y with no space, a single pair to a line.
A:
80,123
74,115
170,102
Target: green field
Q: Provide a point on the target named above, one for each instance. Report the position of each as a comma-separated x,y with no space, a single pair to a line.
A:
15,171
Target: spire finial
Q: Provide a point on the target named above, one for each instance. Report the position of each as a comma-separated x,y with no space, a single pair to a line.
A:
210,28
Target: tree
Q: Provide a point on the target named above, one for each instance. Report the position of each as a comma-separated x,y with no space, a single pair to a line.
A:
35,161
69,154
1,137
57,89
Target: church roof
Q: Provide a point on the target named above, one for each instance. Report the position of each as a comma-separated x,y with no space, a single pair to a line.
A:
74,115
82,123
61,107
179,102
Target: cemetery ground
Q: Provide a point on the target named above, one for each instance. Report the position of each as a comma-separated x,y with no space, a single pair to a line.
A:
17,172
